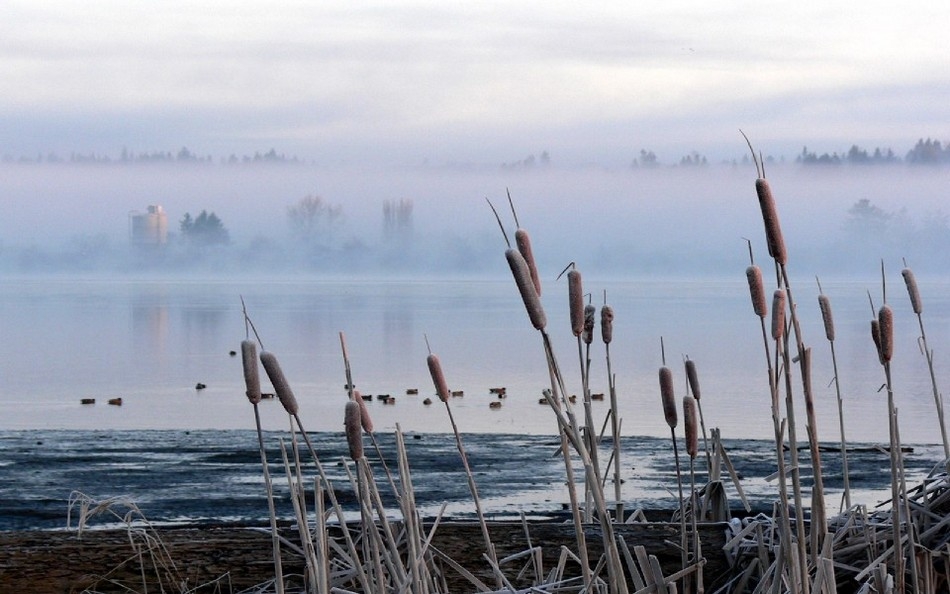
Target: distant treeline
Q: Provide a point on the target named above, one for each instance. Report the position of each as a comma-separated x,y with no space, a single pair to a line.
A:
925,152
183,155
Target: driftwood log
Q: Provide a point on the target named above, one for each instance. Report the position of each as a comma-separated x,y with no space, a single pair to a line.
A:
231,559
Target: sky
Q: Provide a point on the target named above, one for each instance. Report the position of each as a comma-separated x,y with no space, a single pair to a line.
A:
433,82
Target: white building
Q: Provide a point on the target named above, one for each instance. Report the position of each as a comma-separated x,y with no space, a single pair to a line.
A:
149,228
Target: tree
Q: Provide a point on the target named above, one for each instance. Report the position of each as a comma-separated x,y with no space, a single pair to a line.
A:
205,229
311,217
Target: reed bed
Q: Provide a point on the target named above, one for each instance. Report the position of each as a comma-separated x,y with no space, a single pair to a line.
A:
797,548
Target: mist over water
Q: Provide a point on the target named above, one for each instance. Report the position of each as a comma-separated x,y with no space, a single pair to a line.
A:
676,221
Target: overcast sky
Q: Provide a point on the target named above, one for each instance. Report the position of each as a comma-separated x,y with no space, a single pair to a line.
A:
432,81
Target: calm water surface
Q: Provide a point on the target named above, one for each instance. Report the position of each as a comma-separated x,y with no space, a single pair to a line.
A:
151,341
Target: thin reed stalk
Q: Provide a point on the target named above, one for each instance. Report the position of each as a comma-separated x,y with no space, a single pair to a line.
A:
918,308
441,387
606,334
827,317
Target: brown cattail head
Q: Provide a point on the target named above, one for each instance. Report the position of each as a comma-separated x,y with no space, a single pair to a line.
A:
778,314
575,297
773,230
365,420
607,323
691,426
590,312
885,320
529,294
277,379
524,247
438,378
692,378
876,337
252,379
757,290
911,283
824,304
669,399
352,425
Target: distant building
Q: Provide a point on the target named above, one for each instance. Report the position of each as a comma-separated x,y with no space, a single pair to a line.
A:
149,228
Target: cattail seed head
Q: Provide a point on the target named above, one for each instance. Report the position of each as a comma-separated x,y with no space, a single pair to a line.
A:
691,426
526,287
607,323
277,379
885,320
912,291
438,378
876,337
773,230
757,291
669,399
252,379
365,420
524,247
352,425
778,314
575,297
590,313
824,304
692,378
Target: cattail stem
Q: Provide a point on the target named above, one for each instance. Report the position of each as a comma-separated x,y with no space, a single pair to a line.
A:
275,534
918,308
438,379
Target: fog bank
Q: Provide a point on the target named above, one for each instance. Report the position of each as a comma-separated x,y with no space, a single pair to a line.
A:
676,221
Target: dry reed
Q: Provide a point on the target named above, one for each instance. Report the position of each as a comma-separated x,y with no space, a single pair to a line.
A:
353,427
915,303
885,320
276,376
773,230
590,312
778,315
252,380
756,290
438,378
526,287
668,397
824,304
606,323
575,297
365,419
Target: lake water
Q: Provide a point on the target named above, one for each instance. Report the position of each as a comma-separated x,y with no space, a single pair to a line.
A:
150,341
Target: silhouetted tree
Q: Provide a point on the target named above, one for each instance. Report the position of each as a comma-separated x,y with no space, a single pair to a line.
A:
205,229
312,219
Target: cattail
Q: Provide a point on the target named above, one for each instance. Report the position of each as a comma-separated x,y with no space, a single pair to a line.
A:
876,337
778,314
757,290
575,296
529,293
773,230
277,379
692,378
365,420
352,425
252,378
824,304
524,247
438,378
911,283
589,312
607,323
885,320
690,425
666,394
